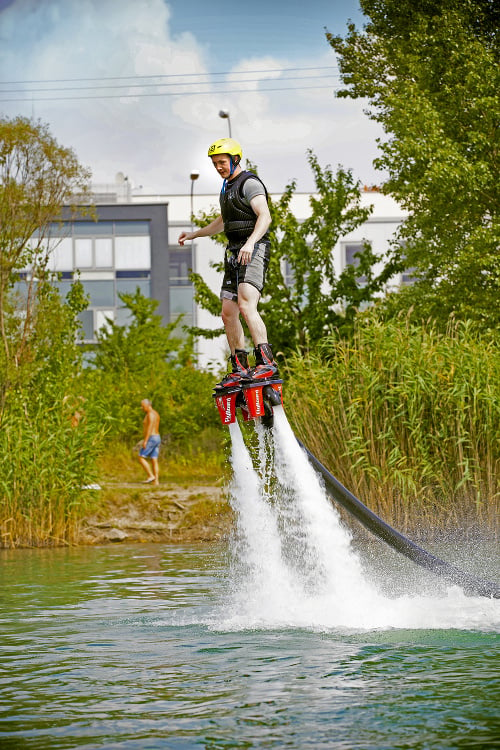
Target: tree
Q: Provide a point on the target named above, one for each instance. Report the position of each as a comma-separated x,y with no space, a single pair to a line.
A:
37,176
49,435
304,298
430,73
145,360
131,349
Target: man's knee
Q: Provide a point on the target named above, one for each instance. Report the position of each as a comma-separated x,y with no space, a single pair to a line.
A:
229,315
248,308
247,300
230,310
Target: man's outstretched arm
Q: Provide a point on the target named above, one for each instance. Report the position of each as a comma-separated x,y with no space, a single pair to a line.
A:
215,226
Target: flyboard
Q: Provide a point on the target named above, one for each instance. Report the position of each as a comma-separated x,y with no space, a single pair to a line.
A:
256,400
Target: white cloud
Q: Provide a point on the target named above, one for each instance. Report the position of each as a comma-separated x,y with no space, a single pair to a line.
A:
158,140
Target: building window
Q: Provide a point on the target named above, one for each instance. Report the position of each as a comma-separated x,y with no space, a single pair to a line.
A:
180,265
86,228
93,321
61,255
181,302
56,230
83,254
129,286
132,252
86,318
181,292
288,273
103,252
102,318
408,276
131,228
63,286
289,278
351,251
101,293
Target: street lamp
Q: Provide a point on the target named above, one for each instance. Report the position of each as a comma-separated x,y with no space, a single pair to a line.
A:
224,113
193,176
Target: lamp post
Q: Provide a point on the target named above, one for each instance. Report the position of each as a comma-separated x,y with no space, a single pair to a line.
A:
193,176
224,114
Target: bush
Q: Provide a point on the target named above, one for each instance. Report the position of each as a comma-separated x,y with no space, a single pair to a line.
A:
144,360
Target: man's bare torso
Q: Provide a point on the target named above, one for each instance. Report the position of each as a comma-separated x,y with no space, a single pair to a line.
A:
151,423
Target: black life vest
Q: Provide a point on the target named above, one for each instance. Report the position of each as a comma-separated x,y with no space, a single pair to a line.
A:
237,214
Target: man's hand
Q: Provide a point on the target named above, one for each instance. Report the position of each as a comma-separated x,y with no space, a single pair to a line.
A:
261,210
185,236
245,254
215,226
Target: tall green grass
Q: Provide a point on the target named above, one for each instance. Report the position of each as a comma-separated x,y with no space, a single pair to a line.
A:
408,419
45,464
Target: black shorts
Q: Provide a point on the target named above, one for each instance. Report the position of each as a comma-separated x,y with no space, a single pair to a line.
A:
254,273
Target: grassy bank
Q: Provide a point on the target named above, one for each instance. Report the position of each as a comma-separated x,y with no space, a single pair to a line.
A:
44,509
409,420
195,464
188,505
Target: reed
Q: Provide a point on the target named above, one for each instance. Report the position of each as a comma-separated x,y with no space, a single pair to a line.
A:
408,419
46,461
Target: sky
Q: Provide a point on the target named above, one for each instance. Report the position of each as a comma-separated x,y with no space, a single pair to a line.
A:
135,86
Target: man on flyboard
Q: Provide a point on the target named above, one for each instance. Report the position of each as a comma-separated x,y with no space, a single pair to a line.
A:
245,220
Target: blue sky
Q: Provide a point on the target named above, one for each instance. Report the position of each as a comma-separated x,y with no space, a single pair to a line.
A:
284,29
136,86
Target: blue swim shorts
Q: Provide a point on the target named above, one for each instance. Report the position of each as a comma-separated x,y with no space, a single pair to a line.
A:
152,449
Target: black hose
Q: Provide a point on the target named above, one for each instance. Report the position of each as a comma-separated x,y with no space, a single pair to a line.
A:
400,543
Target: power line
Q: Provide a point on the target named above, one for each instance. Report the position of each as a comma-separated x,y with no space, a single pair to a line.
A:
157,85
140,95
168,75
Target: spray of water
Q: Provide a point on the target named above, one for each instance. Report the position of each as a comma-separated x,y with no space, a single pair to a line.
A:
257,555
293,564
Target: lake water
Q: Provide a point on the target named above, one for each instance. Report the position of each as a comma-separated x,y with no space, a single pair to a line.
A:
288,636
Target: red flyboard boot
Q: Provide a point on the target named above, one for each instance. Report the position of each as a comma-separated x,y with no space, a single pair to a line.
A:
239,370
265,366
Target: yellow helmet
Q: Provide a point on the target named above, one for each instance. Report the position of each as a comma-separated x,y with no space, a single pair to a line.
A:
225,146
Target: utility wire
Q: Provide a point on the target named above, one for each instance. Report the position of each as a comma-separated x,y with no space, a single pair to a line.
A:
166,93
169,75
158,85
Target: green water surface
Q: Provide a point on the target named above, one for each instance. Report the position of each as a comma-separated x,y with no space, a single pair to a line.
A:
124,647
